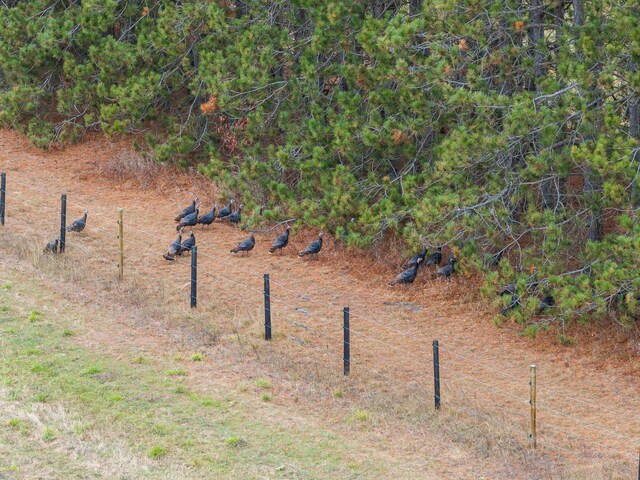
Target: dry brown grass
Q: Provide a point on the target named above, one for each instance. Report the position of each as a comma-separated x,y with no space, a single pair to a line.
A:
126,164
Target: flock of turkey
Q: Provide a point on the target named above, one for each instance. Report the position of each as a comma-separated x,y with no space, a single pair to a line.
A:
189,217
77,226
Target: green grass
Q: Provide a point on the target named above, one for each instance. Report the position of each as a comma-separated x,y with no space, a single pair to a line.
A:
263,383
130,420
157,451
197,357
361,415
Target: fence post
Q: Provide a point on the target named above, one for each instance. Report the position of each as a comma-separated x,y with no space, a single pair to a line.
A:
436,374
532,401
120,245
63,221
267,308
3,196
347,343
194,277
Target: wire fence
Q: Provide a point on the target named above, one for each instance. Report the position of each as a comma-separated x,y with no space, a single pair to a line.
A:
300,319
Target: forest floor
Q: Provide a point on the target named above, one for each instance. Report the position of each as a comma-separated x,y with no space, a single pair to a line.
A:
199,394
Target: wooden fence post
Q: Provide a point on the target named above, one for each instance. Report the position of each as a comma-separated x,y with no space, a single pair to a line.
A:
347,343
63,222
436,374
267,307
3,196
532,401
194,277
120,245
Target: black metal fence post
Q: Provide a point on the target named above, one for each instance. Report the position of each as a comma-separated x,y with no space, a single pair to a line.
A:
63,222
347,343
436,374
267,308
194,277
3,196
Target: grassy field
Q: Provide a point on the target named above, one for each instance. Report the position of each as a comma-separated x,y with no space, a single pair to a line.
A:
68,411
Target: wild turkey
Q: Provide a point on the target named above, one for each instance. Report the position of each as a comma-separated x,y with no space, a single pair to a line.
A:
447,270
282,241
226,211
407,276
188,221
174,249
492,260
263,207
245,245
508,289
209,217
188,210
435,258
188,244
413,260
79,224
235,217
545,303
515,302
313,248
345,231
52,246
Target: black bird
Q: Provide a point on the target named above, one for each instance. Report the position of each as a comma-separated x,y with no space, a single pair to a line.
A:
226,211
263,207
508,289
545,303
447,270
245,245
79,224
413,260
493,260
515,302
188,244
435,258
188,221
409,275
235,216
209,217
174,249
188,210
282,241
345,232
52,246
313,248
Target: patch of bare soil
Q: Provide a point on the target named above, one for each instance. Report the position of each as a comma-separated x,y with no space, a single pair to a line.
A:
588,395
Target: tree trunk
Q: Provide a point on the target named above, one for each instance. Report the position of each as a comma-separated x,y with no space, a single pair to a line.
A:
634,117
380,7
415,7
241,8
634,132
592,180
578,13
536,35
592,189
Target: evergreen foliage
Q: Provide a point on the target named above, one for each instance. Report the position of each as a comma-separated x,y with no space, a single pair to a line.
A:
492,126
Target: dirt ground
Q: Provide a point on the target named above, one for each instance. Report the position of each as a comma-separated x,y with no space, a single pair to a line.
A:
588,394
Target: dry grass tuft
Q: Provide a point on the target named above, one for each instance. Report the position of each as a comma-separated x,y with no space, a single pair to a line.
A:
130,165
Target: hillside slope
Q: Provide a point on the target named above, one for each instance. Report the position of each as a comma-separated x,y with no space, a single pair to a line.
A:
588,399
